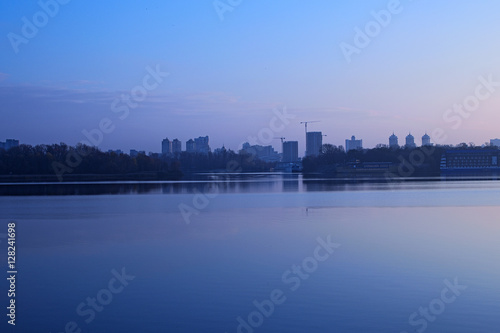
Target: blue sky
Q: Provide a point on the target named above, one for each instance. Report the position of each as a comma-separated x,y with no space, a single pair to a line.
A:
226,76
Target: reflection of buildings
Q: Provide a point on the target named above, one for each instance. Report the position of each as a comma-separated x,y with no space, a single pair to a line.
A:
290,151
410,141
264,153
9,143
393,141
291,182
353,144
314,141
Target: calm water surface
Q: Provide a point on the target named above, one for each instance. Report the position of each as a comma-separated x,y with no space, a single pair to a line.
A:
252,255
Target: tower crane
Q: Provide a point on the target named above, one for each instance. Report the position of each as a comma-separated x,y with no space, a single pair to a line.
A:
306,122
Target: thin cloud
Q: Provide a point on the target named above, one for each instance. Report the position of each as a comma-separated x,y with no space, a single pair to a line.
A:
156,102
341,111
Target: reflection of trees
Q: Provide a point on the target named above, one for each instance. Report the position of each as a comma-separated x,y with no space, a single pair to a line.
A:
226,161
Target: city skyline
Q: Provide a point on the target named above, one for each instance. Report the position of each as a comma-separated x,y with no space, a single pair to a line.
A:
172,146
250,166
180,64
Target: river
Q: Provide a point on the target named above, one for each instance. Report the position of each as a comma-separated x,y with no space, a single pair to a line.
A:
259,253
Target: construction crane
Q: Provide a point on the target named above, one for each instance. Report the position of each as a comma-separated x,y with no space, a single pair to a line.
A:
282,139
306,122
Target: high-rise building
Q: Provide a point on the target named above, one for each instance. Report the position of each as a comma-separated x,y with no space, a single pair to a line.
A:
176,146
353,144
202,144
410,141
495,142
290,151
393,141
9,143
166,147
190,146
314,141
426,140
264,153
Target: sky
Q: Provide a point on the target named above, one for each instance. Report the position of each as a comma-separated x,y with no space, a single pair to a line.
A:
131,73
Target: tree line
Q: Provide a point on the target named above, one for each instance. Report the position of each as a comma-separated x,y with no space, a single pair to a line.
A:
87,160
425,160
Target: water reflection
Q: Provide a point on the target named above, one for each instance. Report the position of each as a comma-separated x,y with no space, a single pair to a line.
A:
200,277
236,183
291,182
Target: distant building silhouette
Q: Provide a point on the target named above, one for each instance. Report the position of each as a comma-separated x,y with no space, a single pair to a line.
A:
176,146
470,159
117,151
135,153
314,141
9,143
426,140
166,147
290,151
393,141
220,150
190,146
202,144
353,144
264,153
410,141
495,142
